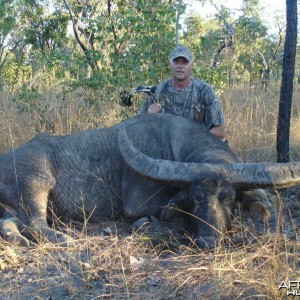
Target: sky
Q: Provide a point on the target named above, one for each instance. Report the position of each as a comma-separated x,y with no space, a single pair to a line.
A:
271,9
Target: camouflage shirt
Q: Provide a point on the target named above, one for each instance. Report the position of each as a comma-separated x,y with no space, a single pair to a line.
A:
196,102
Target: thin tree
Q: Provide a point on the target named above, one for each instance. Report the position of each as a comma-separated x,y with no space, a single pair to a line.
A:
286,91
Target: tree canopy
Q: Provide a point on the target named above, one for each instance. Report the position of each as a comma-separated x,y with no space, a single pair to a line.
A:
105,44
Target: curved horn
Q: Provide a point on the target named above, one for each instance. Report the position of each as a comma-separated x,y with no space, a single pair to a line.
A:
240,175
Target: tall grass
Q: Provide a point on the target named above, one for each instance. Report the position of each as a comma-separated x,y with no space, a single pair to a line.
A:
251,119
250,115
56,112
250,263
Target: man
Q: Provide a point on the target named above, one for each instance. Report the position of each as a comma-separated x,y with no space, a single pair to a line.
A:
187,96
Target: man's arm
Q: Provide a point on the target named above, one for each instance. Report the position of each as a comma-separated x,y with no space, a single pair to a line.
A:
150,106
215,116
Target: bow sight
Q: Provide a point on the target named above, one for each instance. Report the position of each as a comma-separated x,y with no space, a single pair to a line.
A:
126,97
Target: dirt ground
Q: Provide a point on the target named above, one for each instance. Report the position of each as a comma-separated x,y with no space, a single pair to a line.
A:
109,262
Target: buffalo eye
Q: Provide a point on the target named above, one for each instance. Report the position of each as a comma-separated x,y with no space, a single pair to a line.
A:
227,196
197,197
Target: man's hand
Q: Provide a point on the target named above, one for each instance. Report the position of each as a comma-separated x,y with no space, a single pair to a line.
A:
219,131
154,108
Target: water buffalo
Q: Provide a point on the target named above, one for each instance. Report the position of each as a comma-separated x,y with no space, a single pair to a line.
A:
133,169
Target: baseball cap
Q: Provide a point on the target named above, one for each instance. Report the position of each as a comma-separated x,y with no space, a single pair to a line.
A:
181,51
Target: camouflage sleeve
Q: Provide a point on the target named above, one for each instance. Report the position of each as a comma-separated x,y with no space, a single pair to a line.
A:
215,114
208,109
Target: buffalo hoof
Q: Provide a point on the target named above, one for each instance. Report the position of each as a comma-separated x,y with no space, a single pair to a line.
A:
18,239
64,240
169,213
151,223
44,234
10,231
206,241
141,223
59,238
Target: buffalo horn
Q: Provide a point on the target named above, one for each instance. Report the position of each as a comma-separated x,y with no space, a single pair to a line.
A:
239,175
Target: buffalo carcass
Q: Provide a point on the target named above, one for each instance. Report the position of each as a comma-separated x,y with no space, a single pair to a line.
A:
133,169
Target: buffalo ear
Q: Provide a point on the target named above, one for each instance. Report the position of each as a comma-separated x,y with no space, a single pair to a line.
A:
256,202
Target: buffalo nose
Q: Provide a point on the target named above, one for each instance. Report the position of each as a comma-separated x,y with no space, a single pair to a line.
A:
206,241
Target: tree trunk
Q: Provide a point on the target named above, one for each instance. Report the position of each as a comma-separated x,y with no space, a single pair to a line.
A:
286,91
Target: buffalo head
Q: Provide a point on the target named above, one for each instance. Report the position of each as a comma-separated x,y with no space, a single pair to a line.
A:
209,192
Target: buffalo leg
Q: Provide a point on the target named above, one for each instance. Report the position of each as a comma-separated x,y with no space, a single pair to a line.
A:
33,215
10,231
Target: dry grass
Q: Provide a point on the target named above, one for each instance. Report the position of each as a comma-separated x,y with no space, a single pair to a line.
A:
251,120
122,266
249,264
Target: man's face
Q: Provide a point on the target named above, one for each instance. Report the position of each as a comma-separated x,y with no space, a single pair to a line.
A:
181,68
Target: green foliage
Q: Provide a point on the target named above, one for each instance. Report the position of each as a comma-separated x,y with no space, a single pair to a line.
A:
250,28
221,58
28,100
122,44
13,73
138,37
48,34
215,77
